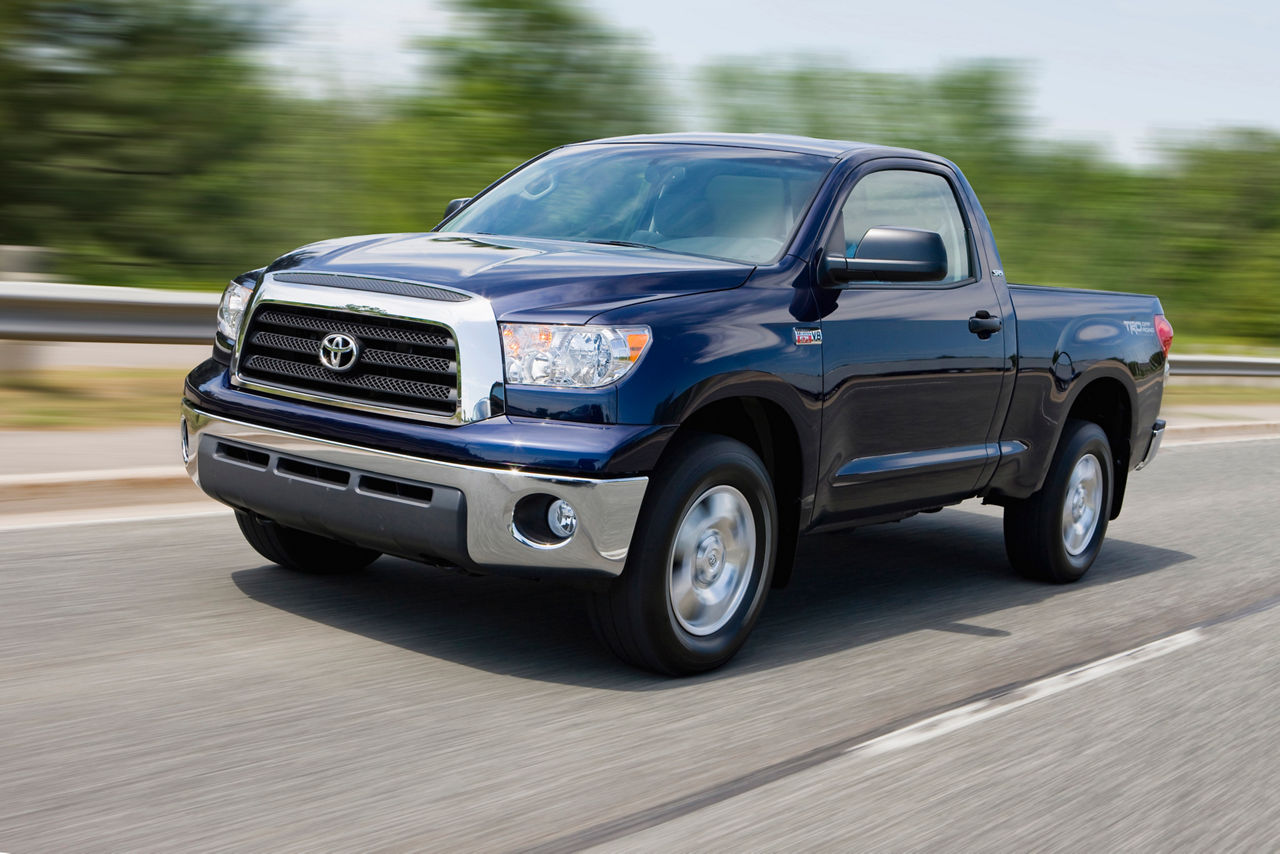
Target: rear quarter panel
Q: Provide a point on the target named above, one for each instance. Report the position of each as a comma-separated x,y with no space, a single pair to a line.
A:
1067,339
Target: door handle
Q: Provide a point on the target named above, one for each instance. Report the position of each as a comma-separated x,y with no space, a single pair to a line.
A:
984,325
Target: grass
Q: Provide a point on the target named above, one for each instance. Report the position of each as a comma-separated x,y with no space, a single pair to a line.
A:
1178,394
79,398
1208,346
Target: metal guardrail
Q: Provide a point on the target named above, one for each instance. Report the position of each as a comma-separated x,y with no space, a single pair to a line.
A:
38,311
1223,366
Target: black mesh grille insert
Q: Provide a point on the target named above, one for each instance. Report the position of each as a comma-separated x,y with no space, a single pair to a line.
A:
401,363
337,321
384,286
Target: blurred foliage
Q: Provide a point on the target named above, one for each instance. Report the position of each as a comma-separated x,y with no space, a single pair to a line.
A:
1200,230
550,71
125,124
141,139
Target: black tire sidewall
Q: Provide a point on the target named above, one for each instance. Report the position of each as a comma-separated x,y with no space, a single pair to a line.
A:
302,551
1085,438
708,462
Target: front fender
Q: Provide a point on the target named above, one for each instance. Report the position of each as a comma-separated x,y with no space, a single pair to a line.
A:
713,347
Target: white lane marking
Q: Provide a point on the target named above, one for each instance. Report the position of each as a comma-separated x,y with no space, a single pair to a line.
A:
982,710
19,527
1217,440
169,472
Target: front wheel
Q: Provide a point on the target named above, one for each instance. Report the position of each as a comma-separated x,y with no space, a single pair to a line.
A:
1056,534
700,563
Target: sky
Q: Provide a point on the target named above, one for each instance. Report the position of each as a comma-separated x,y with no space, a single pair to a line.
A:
1120,74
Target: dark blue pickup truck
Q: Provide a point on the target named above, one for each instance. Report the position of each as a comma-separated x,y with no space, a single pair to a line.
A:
646,365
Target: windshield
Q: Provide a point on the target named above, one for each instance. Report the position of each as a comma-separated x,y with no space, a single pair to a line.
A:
736,203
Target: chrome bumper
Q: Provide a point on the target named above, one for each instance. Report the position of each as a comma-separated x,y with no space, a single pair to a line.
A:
1157,436
607,509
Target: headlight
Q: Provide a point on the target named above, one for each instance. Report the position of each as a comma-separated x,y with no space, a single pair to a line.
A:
231,311
570,356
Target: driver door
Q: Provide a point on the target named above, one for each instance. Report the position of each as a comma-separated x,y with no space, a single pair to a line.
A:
910,394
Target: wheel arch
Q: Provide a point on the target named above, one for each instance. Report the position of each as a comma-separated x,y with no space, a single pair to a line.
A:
1108,401
755,414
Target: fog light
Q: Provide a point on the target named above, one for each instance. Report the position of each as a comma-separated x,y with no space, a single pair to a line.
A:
186,441
562,518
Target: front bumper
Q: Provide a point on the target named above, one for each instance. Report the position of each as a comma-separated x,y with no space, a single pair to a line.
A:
431,510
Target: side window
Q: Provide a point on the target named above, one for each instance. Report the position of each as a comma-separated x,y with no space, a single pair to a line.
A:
907,199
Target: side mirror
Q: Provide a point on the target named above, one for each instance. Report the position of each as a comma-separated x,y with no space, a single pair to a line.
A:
892,255
454,205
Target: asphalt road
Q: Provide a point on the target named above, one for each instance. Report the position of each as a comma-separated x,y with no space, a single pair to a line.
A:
162,689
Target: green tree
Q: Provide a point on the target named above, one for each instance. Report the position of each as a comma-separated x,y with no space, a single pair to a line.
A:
120,118
1218,211
528,75
143,141
515,78
1200,230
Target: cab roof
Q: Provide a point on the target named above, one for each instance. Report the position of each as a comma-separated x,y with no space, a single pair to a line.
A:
833,148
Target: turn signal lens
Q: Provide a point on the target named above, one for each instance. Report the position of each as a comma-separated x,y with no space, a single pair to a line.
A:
1165,330
636,342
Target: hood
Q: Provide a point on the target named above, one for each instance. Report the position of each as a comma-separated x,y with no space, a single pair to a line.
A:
524,278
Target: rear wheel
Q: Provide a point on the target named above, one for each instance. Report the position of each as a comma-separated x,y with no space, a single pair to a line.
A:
700,563
1056,534
301,551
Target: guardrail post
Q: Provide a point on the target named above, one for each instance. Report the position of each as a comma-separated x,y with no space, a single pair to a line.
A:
21,263
18,357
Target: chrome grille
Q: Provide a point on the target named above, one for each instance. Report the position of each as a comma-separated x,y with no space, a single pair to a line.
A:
402,364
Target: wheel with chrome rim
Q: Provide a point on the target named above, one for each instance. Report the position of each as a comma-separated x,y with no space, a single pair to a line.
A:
1082,506
1056,534
700,563
712,560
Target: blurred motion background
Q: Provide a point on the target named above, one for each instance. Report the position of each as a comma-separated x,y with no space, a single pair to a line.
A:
176,143
163,689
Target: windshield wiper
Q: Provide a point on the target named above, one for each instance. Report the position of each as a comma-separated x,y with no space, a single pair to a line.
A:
624,243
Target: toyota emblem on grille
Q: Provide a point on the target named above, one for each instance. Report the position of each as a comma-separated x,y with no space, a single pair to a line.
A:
338,352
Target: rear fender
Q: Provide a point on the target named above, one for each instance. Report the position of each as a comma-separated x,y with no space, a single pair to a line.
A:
1042,402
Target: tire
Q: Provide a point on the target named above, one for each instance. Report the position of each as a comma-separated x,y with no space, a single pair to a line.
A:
301,551
700,564
1056,534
